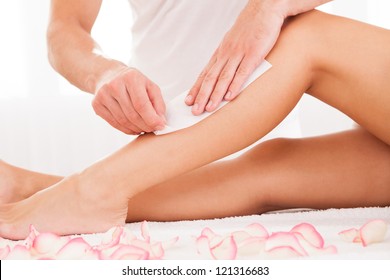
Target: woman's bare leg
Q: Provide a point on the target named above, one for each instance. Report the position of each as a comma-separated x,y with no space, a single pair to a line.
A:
18,183
347,169
98,197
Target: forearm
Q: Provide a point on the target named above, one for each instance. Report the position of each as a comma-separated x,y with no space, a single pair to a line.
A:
75,55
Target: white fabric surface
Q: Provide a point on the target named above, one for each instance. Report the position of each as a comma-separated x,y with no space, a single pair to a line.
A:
328,223
179,115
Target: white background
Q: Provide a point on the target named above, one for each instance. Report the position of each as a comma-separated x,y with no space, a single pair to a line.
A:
48,125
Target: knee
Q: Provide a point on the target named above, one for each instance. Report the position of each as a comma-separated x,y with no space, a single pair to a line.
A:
270,151
298,44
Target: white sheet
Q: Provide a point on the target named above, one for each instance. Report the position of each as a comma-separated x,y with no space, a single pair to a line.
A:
328,223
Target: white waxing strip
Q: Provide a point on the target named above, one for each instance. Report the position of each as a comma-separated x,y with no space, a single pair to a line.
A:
179,115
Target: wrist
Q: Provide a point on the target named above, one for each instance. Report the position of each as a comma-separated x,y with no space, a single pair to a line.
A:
278,7
104,70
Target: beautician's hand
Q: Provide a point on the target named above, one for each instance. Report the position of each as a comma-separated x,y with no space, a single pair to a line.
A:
243,48
130,102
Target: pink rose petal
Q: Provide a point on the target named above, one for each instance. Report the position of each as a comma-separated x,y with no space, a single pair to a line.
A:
216,241
372,232
19,252
169,243
357,239
240,236
311,249
309,233
208,233
349,235
145,231
28,242
284,239
112,236
251,246
329,250
4,252
257,230
203,247
48,243
127,236
283,252
226,250
157,251
76,248
129,252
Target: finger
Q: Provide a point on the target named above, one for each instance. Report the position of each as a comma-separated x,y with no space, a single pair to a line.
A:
125,105
223,83
157,100
104,113
144,107
207,88
190,99
242,74
116,110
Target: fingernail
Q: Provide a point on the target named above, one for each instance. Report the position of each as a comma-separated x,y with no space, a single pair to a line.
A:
228,95
210,106
188,99
195,107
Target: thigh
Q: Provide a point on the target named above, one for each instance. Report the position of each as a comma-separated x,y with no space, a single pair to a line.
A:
351,66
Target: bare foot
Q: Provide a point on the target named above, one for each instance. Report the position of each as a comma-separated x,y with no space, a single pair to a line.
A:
68,207
17,183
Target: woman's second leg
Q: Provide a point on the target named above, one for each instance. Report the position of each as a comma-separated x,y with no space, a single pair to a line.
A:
98,198
345,169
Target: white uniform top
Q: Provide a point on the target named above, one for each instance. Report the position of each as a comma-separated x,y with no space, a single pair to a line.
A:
173,40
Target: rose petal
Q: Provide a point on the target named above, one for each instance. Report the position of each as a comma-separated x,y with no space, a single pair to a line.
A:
208,233
284,239
357,239
226,250
283,252
127,236
129,252
309,233
257,230
169,243
145,231
157,251
251,246
373,232
240,236
216,241
311,249
329,250
203,247
48,244
349,235
4,252
19,252
28,242
112,236
76,248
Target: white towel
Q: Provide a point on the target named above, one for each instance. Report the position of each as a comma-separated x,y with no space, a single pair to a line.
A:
179,115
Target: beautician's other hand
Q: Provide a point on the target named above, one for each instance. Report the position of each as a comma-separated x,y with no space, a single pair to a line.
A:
130,102
242,49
